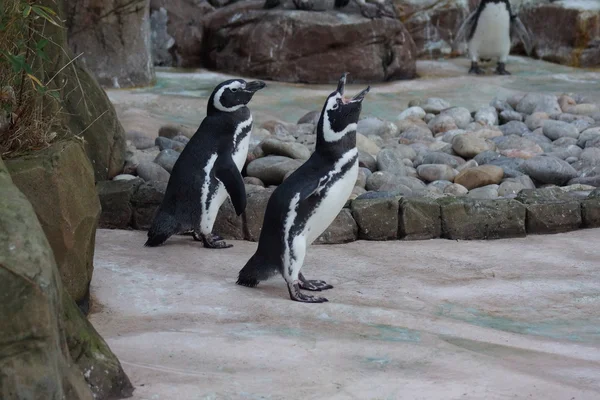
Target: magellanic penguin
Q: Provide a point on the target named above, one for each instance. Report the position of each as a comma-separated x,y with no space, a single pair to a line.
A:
209,168
304,205
488,33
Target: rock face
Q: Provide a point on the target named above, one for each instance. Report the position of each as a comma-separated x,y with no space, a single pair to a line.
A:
178,31
114,37
377,218
550,210
115,200
419,218
280,45
59,182
567,32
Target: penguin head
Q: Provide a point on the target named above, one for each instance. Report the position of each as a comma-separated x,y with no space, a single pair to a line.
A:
231,95
341,114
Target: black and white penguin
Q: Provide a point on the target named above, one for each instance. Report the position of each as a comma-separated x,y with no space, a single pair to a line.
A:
488,33
306,203
208,168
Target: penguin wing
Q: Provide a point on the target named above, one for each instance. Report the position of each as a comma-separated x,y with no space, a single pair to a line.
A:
465,30
521,31
226,171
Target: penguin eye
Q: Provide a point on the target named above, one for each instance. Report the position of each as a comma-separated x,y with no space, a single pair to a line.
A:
335,106
233,90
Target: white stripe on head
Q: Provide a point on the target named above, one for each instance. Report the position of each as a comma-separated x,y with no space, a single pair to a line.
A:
217,99
328,133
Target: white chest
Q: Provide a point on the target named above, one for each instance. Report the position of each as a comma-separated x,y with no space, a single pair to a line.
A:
492,35
240,153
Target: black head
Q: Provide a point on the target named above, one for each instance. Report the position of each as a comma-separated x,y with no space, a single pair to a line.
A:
231,95
340,115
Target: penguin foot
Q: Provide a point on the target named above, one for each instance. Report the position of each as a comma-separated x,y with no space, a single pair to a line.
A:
501,69
305,5
297,295
212,241
475,69
314,285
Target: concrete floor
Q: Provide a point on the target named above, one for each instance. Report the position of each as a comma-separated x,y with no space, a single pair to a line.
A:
435,319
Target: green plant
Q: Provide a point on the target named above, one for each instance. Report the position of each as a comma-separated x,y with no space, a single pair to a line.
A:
29,104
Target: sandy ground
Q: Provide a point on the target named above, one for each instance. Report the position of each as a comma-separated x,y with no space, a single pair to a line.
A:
437,319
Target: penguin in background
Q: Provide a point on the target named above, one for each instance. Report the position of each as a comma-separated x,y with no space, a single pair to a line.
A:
306,203
488,33
208,168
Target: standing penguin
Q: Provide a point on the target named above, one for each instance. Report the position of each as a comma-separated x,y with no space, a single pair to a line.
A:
304,205
488,32
209,168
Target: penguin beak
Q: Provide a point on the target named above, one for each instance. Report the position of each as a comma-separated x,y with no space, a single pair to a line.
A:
342,83
361,96
254,86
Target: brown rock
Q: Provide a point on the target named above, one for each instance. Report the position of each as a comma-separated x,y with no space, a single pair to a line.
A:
469,145
281,45
479,176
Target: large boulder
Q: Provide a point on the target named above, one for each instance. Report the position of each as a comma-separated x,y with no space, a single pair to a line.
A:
177,31
59,183
34,360
567,32
280,45
114,37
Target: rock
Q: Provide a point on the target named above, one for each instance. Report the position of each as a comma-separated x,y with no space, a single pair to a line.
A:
416,134
487,133
514,142
366,145
584,109
486,157
311,117
365,160
343,229
467,165
456,190
536,120
255,213
390,160
514,100
538,102
150,171
251,42
167,159
514,128
172,131
549,170
357,191
227,224
102,40
510,116
564,142
363,175
441,185
140,140
512,166
470,219
484,193
557,129
442,123
378,179
434,105
124,177
469,145
181,139
550,211
272,169
162,42
275,146
434,172
487,116
59,183
564,153
418,219
163,144
590,210
184,26
115,200
564,31
253,181
479,176
510,187
460,115
588,134
435,157
412,113
375,126
145,201
377,219
590,156
501,105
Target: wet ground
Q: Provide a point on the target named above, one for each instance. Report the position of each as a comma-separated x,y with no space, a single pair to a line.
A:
180,96
434,319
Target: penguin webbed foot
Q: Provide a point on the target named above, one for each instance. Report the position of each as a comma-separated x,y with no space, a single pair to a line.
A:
211,241
476,69
297,295
501,69
313,285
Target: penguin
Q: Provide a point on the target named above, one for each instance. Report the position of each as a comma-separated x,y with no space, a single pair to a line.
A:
208,168
368,8
488,33
304,205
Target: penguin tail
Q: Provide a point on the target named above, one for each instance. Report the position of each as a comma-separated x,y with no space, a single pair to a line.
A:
163,227
255,270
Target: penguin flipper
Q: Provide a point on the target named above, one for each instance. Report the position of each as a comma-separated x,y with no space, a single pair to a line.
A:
226,171
465,31
521,31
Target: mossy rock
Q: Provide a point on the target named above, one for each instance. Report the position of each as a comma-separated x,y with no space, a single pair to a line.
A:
550,210
377,219
419,218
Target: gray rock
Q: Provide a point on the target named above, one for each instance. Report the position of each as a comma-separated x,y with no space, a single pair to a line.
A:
435,157
511,166
357,191
449,136
272,169
590,157
375,126
442,123
415,112
441,185
549,170
145,201
363,175
343,229
460,115
508,116
115,200
550,210
509,187
484,193
150,171
516,142
139,139
456,190
418,219
366,145
469,145
467,165
408,162
124,177
255,213
501,105
377,219
416,134
538,138
536,120
434,105
293,150
167,159
487,116
537,102
558,129
390,159
436,172
582,124
181,139
164,143
365,160
486,156
571,160
514,128
588,134
170,131
311,117
565,142
228,224
590,210
249,180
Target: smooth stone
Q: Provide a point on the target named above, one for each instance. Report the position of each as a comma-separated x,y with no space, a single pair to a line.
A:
447,137
488,192
181,139
487,116
509,115
514,128
272,169
408,162
557,129
167,159
486,157
434,105
510,187
441,185
460,115
250,180
547,169
415,112
516,142
356,192
442,123
390,159
467,165
587,135
582,124
456,189
436,157
583,109
276,147
469,145
139,139
378,127
311,117
436,172
501,105
479,176
565,141
365,160
536,120
150,171
123,177
416,134
537,102
367,145
361,179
